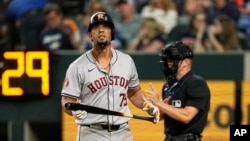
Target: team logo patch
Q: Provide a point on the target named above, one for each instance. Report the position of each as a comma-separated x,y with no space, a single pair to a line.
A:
65,83
100,16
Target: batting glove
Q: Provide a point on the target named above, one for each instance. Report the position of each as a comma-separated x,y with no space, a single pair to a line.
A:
79,114
152,110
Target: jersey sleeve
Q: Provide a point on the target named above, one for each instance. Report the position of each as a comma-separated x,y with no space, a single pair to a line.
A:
134,80
198,94
72,82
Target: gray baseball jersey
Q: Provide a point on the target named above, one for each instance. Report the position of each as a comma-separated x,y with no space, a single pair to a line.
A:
94,86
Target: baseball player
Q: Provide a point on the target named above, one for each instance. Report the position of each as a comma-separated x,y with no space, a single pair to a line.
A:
186,95
104,77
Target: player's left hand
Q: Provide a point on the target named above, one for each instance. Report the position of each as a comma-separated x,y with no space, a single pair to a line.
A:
152,110
79,114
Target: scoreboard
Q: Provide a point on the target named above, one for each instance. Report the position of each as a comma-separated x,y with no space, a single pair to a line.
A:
28,104
25,74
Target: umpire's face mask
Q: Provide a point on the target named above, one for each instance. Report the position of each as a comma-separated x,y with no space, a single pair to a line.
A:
169,67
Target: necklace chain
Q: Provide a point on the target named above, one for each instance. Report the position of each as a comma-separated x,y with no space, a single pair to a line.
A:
98,64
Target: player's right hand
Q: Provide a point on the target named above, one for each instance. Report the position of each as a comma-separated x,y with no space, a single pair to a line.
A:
152,110
79,114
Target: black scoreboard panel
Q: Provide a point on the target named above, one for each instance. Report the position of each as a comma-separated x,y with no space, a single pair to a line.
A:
28,94
26,86
25,74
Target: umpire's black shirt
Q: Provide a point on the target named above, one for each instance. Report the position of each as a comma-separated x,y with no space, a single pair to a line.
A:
191,90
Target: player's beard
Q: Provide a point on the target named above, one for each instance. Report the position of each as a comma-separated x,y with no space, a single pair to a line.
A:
103,44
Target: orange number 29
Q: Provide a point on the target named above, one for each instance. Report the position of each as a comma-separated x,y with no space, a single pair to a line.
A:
25,62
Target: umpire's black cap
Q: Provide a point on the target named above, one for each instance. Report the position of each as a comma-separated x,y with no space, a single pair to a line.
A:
176,51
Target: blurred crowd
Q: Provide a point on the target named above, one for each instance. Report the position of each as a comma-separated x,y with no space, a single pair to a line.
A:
140,25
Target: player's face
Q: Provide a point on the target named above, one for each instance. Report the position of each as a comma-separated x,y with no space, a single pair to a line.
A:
101,35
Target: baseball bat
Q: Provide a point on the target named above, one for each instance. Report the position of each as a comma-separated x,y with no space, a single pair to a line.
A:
97,110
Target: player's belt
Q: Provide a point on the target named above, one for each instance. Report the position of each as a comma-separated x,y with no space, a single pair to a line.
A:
108,127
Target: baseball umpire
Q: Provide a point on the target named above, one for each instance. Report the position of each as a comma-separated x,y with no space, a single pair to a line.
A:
107,78
186,96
